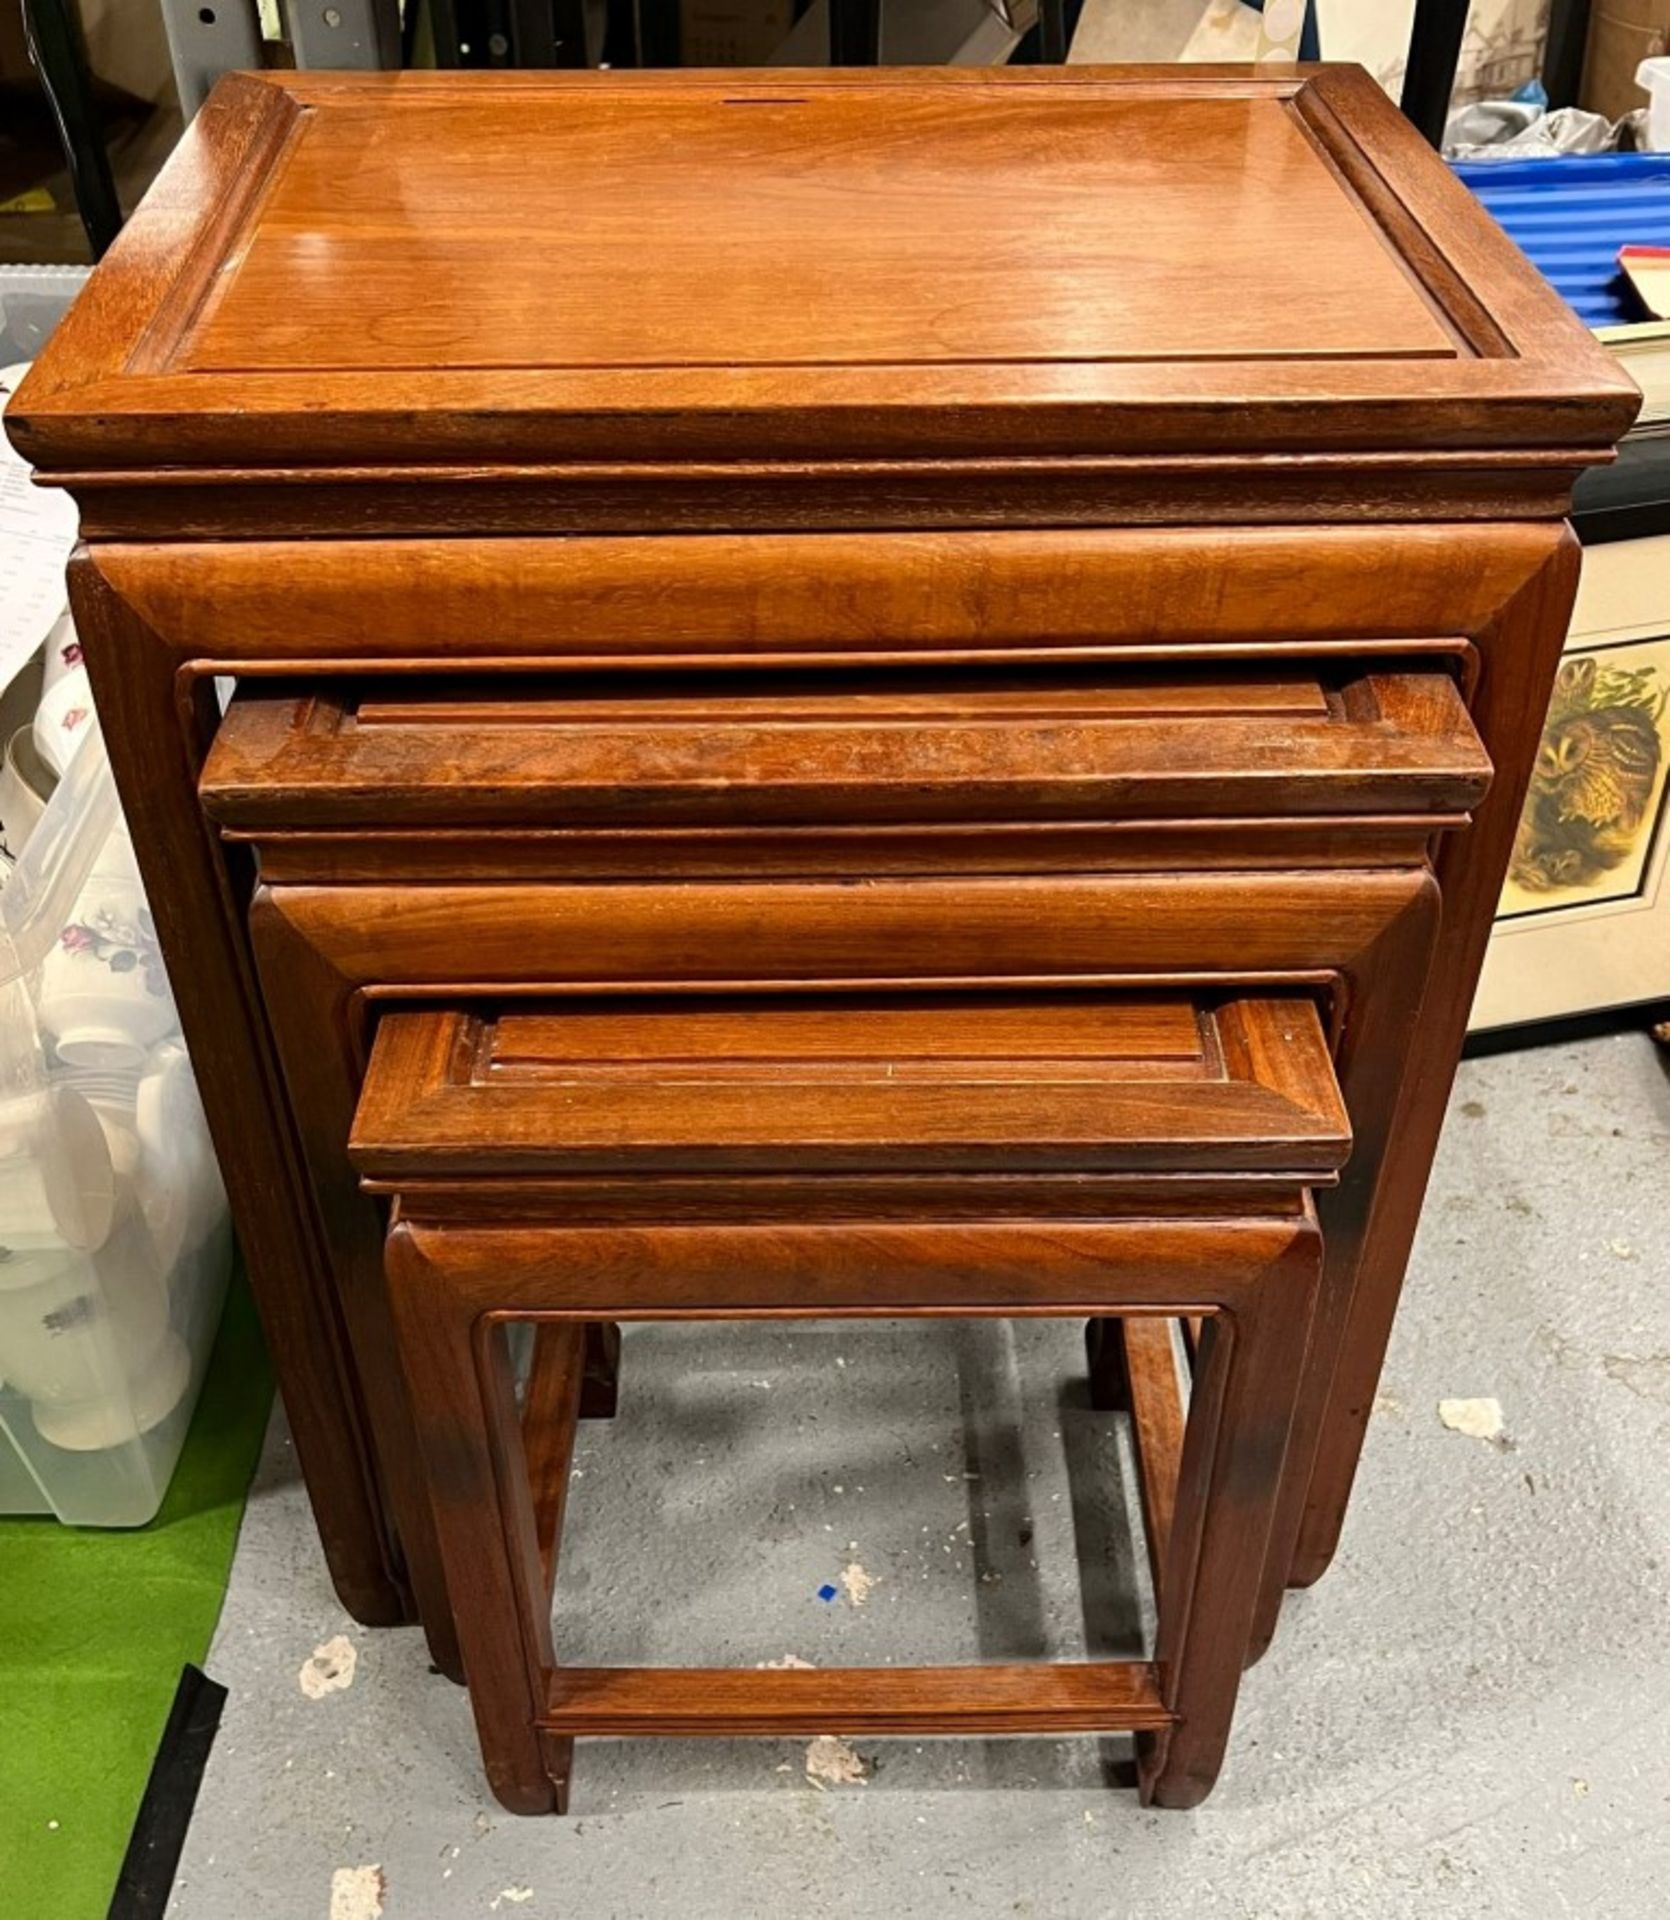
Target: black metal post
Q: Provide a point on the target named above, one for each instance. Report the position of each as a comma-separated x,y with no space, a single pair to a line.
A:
60,56
658,33
854,33
1052,33
1562,60
1434,54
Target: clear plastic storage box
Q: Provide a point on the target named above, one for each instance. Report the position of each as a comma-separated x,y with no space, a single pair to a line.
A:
115,1244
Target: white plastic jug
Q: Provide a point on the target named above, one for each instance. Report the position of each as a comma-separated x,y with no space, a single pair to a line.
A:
1654,75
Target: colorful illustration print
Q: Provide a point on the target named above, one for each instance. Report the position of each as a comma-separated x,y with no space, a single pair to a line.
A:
1598,785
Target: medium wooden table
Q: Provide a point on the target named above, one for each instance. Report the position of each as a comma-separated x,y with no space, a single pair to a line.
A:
638,376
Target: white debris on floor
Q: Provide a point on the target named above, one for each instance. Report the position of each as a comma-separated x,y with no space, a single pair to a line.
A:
357,1893
329,1668
833,1762
857,1583
1465,1716
1479,1419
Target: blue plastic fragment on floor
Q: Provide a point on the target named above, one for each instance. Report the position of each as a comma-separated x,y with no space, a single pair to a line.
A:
827,1592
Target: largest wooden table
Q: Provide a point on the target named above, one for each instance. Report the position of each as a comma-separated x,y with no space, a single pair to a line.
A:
547,370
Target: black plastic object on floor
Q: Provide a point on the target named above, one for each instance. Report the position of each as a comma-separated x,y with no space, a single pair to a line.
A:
159,1831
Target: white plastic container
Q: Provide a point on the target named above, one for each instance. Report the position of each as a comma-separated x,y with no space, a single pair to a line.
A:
112,1215
32,302
1654,75
115,1244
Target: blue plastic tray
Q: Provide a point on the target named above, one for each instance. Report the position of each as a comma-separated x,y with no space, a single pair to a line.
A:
1572,214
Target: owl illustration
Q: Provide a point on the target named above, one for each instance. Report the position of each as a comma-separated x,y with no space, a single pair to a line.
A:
1574,687
1596,773
1600,767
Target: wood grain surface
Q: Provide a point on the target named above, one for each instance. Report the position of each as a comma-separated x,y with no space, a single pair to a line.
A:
938,263
456,1292
978,1083
834,747
878,448
716,1702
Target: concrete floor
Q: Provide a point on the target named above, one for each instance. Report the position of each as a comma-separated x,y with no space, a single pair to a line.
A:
1469,1716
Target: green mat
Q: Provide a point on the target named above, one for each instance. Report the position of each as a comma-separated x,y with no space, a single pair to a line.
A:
94,1628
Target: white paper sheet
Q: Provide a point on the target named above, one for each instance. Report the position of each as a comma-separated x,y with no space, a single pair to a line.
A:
37,531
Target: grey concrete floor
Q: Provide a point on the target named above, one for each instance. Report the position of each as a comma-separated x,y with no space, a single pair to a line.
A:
1469,1716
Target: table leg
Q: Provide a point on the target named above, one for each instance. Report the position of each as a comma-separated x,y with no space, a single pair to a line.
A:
1382,995
316,1019
156,736
1519,655
459,1377
1246,1378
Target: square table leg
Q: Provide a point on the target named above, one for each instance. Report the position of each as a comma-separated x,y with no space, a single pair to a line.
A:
156,732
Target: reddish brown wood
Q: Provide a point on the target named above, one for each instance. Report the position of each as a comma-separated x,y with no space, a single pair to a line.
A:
1062,488
318,1036
550,1414
622,1200
829,749
1306,919
461,1376
1519,652
1072,1267
1045,595
976,1083
908,285
1378,1039
1380,308
811,853
717,1702
156,730
316,957
1219,1541
1086,492
495,1093
1158,1414
447,1282
1117,929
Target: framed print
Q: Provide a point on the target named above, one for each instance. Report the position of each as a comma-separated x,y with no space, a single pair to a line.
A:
1584,921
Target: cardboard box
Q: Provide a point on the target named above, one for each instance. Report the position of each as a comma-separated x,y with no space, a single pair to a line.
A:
1622,33
732,33
14,49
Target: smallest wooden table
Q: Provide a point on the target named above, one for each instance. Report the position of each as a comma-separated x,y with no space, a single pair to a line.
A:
1057,1153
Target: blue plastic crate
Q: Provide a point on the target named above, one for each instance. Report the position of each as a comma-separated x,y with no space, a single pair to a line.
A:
1571,214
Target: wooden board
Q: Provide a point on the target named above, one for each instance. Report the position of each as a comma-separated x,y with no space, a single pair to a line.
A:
1096,1697
730,225
970,1082
835,747
490,274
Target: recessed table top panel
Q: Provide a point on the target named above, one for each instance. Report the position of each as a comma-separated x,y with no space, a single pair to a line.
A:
827,226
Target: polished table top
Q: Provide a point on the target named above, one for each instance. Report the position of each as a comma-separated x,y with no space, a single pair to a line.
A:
423,269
